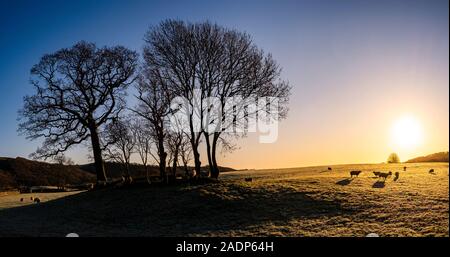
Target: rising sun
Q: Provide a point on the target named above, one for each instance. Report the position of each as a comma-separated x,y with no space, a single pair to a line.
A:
407,132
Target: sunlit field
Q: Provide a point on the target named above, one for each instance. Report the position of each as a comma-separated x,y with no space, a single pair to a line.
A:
12,199
311,201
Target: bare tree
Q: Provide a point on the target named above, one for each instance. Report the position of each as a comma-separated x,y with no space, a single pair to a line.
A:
174,141
393,158
78,91
171,49
204,60
249,76
154,99
120,144
143,139
185,153
61,159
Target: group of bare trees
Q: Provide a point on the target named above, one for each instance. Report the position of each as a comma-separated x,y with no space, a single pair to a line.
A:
80,95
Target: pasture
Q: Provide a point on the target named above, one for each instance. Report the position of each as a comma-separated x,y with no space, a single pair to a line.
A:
309,201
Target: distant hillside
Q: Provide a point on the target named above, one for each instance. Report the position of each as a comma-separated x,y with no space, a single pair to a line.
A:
114,170
222,169
436,157
17,172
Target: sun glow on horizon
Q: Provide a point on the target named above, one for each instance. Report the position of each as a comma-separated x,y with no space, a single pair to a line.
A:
407,133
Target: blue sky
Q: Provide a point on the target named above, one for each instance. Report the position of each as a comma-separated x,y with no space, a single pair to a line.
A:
355,67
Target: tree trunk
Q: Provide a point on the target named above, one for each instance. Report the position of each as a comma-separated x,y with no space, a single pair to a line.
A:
147,175
208,151
186,170
127,170
174,165
97,151
162,159
194,144
215,170
128,178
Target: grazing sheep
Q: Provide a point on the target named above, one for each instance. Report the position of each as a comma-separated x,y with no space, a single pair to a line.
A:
376,173
248,179
37,200
404,168
385,175
431,171
354,173
397,175
329,168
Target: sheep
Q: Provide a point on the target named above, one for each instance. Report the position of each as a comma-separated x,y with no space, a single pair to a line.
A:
376,173
31,198
354,173
385,175
248,179
21,199
431,171
397,175
329,168
404,168
37,200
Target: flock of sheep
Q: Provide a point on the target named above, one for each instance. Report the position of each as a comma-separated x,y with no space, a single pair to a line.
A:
34,199
380,174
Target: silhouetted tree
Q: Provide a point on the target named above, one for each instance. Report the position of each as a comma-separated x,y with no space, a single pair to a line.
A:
78,91
154,99
61,159
201,60
120,144
393,158
174,140
171,49
143,137
185,154
238,70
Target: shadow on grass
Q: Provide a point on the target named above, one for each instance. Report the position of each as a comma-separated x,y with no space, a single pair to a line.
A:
379,184
345,182
176,211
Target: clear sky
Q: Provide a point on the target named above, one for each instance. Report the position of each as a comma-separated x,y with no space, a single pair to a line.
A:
358,69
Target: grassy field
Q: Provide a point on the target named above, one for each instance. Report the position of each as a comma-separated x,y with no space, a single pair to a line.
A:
310,201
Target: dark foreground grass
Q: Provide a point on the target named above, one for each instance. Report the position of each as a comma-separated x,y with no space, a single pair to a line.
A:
289,202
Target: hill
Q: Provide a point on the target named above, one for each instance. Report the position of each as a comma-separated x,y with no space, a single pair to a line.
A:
18,172
436,157
115,170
